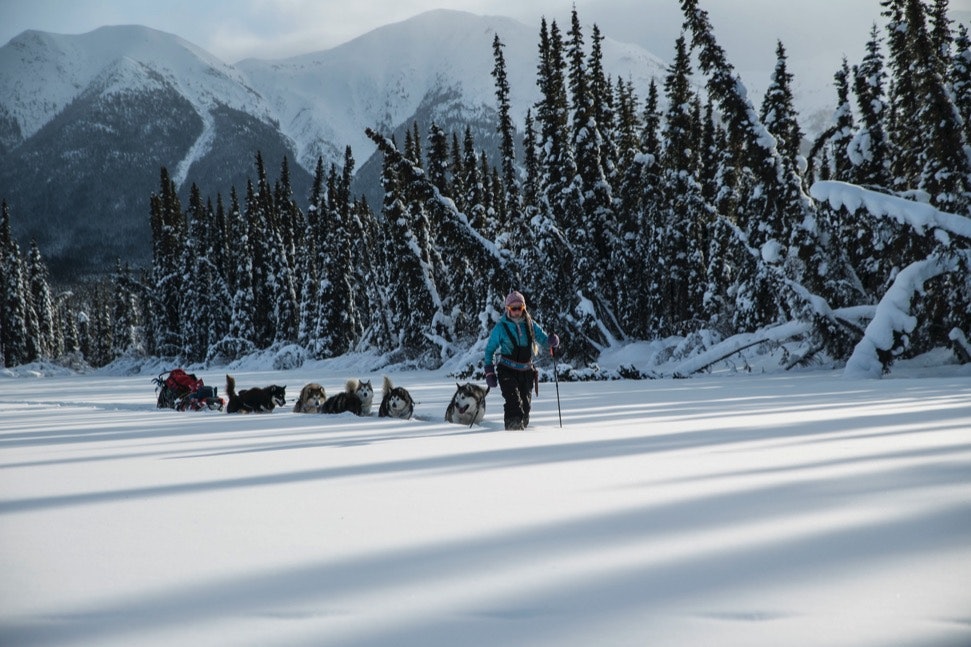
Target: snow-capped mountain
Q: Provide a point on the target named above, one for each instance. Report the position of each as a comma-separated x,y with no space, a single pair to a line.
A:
86,121
41,73
381,80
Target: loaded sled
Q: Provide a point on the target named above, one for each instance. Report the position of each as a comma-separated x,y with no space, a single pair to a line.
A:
185,392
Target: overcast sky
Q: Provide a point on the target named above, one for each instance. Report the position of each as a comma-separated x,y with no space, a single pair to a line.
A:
816,33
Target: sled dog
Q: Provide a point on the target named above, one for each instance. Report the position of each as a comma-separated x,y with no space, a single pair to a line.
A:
256,400
396,402
468,404
311,399
357,397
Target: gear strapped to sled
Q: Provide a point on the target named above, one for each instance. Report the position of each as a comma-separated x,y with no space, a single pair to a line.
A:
185,392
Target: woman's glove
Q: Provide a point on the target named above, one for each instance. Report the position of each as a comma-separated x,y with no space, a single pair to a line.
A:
554,341
491,376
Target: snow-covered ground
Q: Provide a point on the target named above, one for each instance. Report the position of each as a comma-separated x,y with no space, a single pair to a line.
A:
756,509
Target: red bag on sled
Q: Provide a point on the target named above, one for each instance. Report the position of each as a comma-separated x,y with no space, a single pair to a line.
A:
185,392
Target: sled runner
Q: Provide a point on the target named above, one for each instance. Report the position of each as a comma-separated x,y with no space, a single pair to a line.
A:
185,392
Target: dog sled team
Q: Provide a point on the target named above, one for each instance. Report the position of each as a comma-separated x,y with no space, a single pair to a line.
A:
510,350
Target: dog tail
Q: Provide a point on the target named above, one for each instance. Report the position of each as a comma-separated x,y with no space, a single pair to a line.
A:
230,386
387,385
352,385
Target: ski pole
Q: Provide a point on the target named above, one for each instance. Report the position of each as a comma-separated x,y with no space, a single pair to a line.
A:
556,381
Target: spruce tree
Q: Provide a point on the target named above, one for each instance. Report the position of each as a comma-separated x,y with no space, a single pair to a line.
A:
241,336
531,170
457,175
941,36
288,220
491,190
944,168
631,265
676,275
86,334
205,309
474,197
127,333
556,161
168,280
411,297
49,341
960,78
336,319
679,124
219,243
594,228
275,307
438,158
626,129
196,320
509,206
710,144
102,331
603,102
32,330
14,301
369,261
364,236
903,127
418,153
868,149
68,317
837,139
307,262
636,184
560,206
778,111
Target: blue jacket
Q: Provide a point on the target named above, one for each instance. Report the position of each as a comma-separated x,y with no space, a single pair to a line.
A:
501,340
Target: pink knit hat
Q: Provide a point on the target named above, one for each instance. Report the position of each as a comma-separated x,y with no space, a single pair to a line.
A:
514,298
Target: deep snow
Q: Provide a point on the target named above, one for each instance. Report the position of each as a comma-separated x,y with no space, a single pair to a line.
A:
752,509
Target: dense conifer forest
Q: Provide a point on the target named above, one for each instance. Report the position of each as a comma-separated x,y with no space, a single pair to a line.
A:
686,213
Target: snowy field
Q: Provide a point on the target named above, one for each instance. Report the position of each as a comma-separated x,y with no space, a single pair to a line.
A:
778,509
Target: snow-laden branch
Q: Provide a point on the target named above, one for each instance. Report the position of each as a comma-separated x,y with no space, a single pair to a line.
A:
777,333
918,215
959,342
892,317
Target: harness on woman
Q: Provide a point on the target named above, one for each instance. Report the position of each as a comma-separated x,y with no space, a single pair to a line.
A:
521,358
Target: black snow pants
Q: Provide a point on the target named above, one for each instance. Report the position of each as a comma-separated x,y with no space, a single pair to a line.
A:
517,391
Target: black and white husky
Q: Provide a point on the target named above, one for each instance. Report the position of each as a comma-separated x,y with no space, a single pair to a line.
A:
256,400
396,402
357,397
468,404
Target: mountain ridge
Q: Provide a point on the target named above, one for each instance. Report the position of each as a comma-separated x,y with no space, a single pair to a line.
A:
87,120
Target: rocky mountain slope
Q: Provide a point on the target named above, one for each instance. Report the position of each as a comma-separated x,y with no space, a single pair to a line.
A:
87,121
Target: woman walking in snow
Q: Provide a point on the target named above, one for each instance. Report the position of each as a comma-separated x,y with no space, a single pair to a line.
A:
515,337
